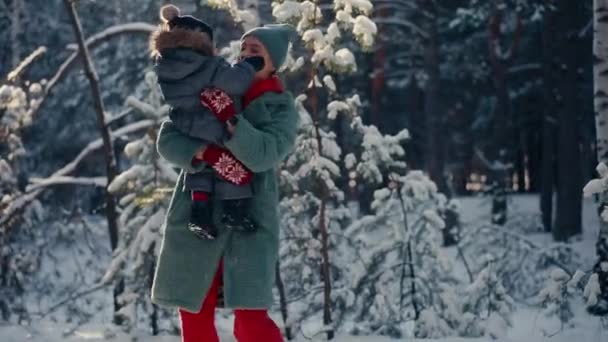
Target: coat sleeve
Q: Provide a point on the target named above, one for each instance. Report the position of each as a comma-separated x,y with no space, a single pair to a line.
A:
262,148
233,79
177,148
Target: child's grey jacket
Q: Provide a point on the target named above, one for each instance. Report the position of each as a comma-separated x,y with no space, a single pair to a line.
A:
183,73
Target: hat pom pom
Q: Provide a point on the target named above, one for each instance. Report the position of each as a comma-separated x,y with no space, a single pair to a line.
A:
168,12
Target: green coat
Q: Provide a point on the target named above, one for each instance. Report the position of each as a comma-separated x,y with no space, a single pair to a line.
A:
264,134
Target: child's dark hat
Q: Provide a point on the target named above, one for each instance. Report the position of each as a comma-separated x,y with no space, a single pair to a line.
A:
170,14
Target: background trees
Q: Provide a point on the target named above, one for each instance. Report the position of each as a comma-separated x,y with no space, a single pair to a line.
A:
404,106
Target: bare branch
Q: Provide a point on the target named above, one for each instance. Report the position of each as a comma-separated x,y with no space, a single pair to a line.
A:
97,143
71,298
91,43
112,119
525,67
403,23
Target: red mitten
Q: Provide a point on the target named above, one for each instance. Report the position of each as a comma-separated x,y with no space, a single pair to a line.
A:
226,165
218,102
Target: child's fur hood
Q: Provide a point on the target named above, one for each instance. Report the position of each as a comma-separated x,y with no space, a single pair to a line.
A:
164,38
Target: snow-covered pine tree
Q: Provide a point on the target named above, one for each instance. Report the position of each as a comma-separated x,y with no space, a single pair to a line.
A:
312,171
557,294
299,245
20,238
144,186
406,276
486,305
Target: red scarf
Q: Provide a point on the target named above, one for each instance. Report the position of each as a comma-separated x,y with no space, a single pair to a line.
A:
260,87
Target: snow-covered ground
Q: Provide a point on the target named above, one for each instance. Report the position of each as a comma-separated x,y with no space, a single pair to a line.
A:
529,326
529,323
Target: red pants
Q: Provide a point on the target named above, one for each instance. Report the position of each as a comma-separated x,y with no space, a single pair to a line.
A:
249,325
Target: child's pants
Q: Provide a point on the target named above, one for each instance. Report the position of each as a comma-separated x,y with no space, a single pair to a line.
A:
249,325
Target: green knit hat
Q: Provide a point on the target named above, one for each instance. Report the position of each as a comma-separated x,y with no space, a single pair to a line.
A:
276,38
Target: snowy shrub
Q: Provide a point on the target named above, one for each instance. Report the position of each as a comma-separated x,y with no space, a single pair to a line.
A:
520,263
405,276
487,306
558,293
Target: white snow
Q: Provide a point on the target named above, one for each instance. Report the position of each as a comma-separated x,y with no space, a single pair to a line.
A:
329,83
592,289
345,58
528,323
365,29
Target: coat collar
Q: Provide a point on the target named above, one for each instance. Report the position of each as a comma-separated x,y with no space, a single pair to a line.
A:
272,84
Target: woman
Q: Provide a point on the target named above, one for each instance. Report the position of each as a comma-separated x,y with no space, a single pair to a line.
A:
190,271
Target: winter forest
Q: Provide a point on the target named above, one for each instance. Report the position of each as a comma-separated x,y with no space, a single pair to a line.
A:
449,179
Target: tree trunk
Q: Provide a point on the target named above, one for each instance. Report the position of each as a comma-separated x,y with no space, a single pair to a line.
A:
313,101
504,136
110,158
414,106
548,163
323,226
409,261
600,97
568,218
547,172
534,147
433,153
282,300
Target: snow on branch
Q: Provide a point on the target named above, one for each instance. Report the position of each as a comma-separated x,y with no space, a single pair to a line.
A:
71,298
525,68
14,75
97,143
597,185
46,182
21,202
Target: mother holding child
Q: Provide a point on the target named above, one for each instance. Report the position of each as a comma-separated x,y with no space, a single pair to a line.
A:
229,128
